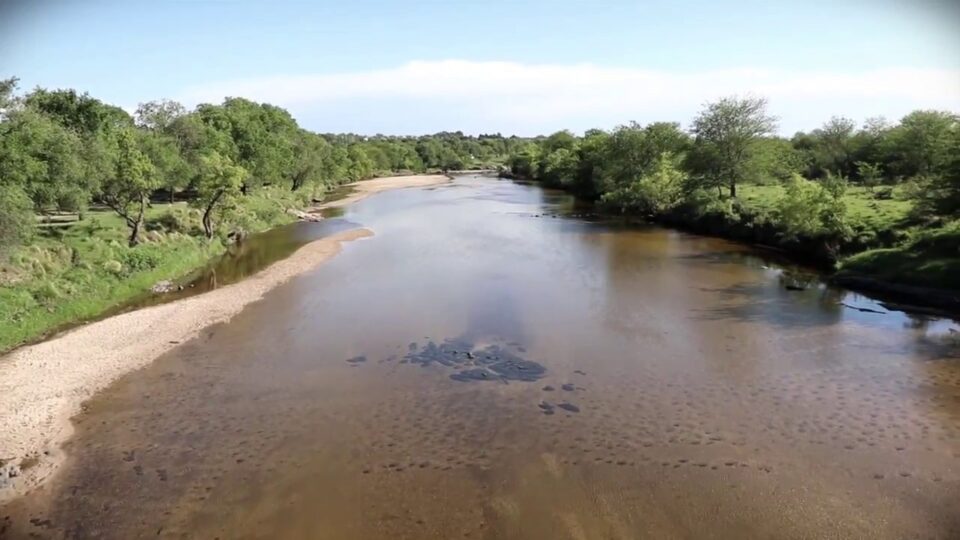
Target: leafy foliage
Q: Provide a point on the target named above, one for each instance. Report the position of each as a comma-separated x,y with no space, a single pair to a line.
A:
813,209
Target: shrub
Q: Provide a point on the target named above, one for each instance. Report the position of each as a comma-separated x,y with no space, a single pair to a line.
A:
654,193
46,293
16,218
813,209
140,259
114,267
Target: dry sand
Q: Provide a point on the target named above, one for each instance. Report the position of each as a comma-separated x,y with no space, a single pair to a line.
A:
369,187
42,386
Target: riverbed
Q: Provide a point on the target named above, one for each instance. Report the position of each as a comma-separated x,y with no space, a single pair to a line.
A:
496,362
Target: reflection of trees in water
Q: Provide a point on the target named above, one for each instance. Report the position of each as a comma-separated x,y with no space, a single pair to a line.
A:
771,303
493,314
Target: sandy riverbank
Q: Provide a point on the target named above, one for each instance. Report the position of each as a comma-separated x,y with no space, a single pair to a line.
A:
42,386
365,188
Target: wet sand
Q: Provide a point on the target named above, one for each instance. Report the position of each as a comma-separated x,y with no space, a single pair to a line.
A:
486,368
43,385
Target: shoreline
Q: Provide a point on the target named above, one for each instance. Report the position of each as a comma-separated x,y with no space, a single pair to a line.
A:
903,296
43,385
365,188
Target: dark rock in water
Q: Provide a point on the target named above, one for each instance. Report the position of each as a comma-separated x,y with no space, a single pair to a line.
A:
568,387
545,406
493,363
794,288
548,388
477,374
519,370
578,372
356,359
569,407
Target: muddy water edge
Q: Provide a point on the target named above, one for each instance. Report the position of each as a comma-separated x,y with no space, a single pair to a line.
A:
492,365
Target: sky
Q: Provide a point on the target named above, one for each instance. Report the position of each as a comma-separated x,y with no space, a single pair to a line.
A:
520,67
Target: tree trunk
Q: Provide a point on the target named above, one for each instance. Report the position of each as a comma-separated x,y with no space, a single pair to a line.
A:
298,181
208,215
733,190
135,231
137,224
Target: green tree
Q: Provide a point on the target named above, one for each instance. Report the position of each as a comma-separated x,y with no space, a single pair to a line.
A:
218,184
811,209
559,167
45,160
591,164
921,144
657,192
158,115
311,154
172,170
726,133
128,188
774,158
359,164
8,97
870,174
16,217
81,113
524,161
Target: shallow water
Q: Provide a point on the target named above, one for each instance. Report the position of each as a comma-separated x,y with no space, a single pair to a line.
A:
488,366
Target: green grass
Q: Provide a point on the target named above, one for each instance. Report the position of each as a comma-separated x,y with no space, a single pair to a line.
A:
77,272
929,259
905,252
862,205
875,222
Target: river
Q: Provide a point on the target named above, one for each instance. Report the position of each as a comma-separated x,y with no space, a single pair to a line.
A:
494,364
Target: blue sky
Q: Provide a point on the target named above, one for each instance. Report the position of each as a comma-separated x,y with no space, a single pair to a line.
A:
512,66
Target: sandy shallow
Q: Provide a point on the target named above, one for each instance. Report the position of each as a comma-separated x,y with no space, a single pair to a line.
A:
366,188
42,386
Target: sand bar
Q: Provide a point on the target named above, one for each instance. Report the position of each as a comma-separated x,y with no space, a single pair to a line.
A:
43,385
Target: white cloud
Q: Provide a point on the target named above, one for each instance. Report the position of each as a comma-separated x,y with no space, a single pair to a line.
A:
511,97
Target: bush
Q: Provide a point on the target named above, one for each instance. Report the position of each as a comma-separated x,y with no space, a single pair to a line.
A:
114,267
181,220
16,218
655,193
47,292
140,258
811,209
707,202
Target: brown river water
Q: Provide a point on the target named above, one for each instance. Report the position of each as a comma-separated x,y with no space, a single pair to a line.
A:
492,365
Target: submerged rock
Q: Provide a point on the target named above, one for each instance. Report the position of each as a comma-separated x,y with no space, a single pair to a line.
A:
570,407
493,363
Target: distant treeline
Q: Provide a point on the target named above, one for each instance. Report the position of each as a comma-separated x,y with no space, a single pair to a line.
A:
61,151
664,171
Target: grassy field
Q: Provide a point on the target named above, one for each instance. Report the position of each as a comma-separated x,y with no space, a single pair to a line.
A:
929,259
864,209
74,272
910,256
